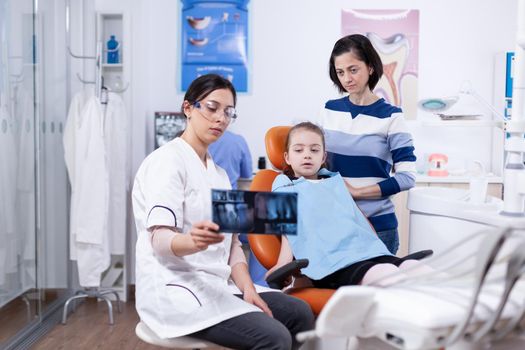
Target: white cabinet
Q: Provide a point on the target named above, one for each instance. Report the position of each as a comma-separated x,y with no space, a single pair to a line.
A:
495,189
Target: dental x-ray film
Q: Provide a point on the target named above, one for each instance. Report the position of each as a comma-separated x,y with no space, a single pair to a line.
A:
237,211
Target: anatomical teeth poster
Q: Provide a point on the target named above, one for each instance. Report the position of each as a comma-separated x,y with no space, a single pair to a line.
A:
215,40
395,36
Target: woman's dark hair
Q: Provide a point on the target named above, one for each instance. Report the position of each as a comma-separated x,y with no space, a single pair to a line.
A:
362,48
205,85
287,170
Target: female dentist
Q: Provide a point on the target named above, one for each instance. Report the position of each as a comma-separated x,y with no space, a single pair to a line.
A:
191,279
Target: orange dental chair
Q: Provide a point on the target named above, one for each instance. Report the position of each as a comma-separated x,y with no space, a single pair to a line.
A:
266,248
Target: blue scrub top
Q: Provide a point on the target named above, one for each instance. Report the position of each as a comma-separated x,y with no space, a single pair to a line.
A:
231,153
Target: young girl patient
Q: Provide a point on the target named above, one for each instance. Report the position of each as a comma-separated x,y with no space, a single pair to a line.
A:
333,234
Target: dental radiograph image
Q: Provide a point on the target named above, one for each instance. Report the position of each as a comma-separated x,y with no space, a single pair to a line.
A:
255,212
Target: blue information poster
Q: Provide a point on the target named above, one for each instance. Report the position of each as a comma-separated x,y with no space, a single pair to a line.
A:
215,40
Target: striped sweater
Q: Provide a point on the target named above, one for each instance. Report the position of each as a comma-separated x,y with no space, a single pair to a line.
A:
366,144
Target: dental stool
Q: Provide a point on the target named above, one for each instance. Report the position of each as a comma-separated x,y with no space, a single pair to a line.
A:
146,335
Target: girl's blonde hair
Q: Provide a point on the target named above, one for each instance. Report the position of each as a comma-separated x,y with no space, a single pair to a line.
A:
287,170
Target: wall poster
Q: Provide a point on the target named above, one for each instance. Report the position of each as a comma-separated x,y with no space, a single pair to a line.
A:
395,36
215,40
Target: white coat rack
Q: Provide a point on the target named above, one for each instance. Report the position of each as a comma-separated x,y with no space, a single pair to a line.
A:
98,61
100,89
99,82
93,293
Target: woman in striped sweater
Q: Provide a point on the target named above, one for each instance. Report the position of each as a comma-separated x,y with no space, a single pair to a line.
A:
367,140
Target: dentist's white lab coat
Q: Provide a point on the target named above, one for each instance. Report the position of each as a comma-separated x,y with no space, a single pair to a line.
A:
85,155
95,147
116,131
181,295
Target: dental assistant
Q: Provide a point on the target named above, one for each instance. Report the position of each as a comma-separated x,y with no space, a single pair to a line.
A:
367,139
190,278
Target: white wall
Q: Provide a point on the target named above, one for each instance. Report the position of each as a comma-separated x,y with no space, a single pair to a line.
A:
290,42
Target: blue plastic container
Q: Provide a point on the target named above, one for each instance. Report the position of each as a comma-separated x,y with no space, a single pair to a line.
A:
112,45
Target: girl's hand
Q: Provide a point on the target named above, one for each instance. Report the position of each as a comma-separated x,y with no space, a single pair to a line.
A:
205,233
251,296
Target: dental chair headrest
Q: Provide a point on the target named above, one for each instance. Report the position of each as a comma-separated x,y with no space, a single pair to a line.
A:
275,140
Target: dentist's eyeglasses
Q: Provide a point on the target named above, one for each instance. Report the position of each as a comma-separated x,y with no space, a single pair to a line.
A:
210,111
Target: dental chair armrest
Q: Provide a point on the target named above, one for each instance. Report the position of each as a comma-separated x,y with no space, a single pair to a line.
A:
419,255
276,279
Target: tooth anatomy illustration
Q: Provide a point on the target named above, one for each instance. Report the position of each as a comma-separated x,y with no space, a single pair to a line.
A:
388,45
394,54
388,72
